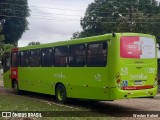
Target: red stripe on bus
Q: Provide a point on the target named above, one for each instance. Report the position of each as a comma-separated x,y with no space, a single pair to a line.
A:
137,87
15,49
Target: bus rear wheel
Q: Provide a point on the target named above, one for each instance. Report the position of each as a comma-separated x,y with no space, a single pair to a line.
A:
61,95
16,88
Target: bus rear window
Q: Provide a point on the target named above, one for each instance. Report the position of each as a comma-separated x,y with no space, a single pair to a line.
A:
137,47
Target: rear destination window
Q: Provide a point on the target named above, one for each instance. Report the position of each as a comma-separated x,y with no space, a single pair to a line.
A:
137,47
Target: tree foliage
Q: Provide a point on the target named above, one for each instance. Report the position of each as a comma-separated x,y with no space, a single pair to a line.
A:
13,15
76,35
1,43
3,47
107,16
34,43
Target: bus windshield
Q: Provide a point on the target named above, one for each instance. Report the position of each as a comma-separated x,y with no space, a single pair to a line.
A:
137,47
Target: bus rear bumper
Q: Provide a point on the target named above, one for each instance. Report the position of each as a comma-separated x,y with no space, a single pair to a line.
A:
115,93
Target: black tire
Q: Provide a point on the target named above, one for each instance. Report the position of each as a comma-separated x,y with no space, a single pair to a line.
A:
16,88
61,95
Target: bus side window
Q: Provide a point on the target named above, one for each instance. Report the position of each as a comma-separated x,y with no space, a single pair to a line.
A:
47,57
77,55
24,58
61,56
7,62
158,63
97,54
14,59
35,58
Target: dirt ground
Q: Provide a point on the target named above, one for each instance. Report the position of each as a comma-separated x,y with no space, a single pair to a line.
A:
4,91
140,104
1,83
137,105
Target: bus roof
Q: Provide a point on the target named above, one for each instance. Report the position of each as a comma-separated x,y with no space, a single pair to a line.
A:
77,41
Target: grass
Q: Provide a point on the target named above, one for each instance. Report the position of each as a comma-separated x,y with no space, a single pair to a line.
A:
16,103
12,102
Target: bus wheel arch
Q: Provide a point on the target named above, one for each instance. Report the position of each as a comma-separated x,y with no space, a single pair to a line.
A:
60,93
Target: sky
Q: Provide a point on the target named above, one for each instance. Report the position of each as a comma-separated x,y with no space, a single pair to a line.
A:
52,21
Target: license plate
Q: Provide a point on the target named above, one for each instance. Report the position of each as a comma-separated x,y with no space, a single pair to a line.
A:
138,82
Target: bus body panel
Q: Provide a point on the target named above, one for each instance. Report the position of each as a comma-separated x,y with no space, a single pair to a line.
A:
134,77
139,74
85,85
123,94
7,80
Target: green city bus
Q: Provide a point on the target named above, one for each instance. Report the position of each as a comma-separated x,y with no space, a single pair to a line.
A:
106,67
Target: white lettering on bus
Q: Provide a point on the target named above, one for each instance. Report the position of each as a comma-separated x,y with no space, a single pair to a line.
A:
97,77
150,70
138,76
124,71
59,75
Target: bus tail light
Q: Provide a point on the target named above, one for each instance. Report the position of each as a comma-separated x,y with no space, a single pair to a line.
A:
118,81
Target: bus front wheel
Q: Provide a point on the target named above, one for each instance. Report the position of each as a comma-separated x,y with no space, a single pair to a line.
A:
61,95
16,88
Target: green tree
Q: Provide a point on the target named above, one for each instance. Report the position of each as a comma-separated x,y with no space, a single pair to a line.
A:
13,15
76,35
1,45
107,16
34,43
1,42
4,48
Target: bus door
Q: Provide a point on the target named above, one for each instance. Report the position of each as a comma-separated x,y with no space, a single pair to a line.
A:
14,65
6,68
138,64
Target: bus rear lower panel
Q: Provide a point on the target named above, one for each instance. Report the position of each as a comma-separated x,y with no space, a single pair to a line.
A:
124,94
